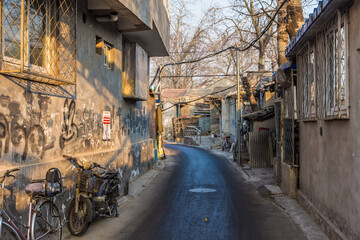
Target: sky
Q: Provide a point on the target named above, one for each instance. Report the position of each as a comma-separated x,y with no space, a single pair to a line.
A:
199,6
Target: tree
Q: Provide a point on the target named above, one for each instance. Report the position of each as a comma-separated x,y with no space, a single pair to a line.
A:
186,43
289,21
219,28
192,40
251,18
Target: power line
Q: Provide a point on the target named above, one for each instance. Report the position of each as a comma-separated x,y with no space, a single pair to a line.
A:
252,43
264,30
194,100
199,51
191,76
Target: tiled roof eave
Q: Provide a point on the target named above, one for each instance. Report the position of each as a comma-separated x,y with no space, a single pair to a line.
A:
313,24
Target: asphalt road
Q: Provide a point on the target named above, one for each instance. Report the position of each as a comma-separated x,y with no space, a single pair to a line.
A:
167,210
233,211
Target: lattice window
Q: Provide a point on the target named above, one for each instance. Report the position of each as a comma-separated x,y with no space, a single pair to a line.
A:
323,70
303,60
320,64
343,68
336,67
312,85
38,40
332,72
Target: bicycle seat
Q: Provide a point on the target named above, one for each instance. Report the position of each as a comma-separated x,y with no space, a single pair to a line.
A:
34,189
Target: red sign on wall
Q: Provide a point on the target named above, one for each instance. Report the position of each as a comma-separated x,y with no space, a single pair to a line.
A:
106,117
106,126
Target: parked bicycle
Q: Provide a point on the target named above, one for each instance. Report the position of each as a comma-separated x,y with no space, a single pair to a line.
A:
44,220
97,189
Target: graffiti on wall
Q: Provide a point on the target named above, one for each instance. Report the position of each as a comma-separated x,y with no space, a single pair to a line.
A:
136,122
28,129
86,124
21,136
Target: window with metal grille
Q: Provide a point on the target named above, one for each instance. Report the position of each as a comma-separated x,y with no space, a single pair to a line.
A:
38,40
303,59
336,67
312,84
323,70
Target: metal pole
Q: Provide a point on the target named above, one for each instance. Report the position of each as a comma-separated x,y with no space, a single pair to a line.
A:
238,107
159,134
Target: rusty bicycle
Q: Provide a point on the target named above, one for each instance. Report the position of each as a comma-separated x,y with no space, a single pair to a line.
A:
44,220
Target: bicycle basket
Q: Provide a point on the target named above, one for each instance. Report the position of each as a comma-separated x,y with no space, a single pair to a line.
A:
87,183
53,185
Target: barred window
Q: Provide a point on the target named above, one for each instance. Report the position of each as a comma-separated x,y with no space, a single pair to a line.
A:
11,28
312,84
37,28
332,72
336,68
322,66
39,45
306,85
343,69
305,82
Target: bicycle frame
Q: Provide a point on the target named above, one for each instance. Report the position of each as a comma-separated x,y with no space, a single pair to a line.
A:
28,227
11,224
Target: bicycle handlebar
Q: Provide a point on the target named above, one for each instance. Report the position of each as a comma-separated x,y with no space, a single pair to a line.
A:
8,174
12,170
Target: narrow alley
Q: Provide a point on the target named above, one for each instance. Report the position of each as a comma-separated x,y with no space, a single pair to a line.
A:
198,195
179,119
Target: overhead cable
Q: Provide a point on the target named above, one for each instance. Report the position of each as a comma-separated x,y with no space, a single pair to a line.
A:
194,100
251,44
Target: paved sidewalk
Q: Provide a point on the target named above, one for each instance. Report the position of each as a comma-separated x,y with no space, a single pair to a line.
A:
135,188
262,179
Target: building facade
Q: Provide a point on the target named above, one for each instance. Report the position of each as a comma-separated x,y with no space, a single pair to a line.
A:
326,52
75,80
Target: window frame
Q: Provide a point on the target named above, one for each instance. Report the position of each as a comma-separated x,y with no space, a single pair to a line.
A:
135,71
98,45
27,47
108,50
330,96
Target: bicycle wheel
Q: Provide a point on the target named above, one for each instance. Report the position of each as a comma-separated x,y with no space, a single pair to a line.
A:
46,222
8,233
78,223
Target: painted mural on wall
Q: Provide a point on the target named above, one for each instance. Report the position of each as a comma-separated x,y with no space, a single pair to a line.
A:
34,127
